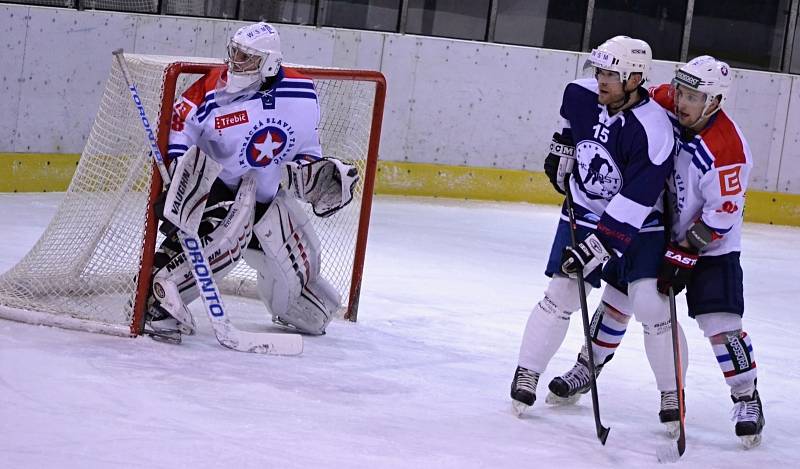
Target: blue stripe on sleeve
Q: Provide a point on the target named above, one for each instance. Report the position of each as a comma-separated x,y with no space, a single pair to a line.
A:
295,84
295,94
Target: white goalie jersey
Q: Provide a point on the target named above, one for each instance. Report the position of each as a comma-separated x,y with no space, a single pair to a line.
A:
250,129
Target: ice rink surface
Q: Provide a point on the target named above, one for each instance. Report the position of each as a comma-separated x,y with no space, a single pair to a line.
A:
421,381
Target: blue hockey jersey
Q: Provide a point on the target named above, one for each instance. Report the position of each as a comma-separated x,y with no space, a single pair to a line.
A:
622,163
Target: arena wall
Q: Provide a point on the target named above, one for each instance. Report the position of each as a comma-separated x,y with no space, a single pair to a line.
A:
463,119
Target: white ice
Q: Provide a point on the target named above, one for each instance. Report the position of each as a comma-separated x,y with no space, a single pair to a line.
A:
421,381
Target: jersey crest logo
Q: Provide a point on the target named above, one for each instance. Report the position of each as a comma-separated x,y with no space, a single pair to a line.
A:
599,174
729,183
265,144
182,109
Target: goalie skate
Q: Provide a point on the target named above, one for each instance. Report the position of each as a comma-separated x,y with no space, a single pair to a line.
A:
749,417
523,390
163,330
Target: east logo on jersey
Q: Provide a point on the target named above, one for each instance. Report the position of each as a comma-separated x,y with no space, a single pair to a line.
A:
599,174
265,144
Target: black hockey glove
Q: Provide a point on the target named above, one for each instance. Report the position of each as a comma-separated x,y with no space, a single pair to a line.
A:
587,256
559,162
167,228
676,268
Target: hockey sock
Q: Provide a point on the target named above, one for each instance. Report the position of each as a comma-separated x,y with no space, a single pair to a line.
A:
734,353
658,347
547,326
607,329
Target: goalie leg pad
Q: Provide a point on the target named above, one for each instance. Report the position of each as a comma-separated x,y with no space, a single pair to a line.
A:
223,247
288,266
327,184
186,199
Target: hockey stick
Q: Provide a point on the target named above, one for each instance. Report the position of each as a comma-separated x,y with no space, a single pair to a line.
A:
672,452
602,432
226,333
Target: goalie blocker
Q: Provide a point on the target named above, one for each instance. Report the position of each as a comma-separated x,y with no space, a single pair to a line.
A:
285,251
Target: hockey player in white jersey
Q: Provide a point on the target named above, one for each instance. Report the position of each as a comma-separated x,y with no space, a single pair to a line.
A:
621,145
245,148
706,194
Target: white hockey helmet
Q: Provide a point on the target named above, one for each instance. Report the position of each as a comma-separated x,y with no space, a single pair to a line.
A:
254,54
622,54
709,76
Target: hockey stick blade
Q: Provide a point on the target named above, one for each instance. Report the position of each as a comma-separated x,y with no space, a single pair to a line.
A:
267,343
670,453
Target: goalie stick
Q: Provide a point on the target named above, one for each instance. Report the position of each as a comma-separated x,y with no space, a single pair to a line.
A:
673,451
602,432
227,335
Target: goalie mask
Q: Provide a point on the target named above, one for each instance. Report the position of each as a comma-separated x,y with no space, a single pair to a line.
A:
621,54
254,54
707,75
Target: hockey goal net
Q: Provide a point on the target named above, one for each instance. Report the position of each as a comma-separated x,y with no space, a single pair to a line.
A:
91,268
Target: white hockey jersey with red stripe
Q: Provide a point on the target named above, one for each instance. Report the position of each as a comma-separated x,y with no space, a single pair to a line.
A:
251,129
710,178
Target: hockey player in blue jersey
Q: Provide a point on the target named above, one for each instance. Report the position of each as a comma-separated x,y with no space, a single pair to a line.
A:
617,145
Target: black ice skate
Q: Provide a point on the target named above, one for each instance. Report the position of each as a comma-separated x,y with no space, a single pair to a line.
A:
749,418
568,388
669,414
161,326
523,389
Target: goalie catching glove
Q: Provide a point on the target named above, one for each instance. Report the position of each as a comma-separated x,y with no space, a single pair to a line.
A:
327,183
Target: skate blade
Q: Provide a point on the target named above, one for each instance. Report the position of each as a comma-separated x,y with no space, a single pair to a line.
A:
167,337
518,407
673,429
553,399
751,441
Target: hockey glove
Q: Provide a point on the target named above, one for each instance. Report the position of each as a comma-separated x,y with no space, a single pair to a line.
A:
676,269
586,256
559,162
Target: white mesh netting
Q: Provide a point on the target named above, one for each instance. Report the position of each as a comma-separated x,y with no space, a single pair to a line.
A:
82,273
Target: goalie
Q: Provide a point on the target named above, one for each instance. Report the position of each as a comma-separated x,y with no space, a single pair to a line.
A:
245,148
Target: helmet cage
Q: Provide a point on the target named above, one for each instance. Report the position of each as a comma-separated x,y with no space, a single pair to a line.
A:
243,60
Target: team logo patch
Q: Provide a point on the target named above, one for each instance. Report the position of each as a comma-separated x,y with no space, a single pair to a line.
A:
229,120
266,144
182,109
599,174
159,290
729,182
728,207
